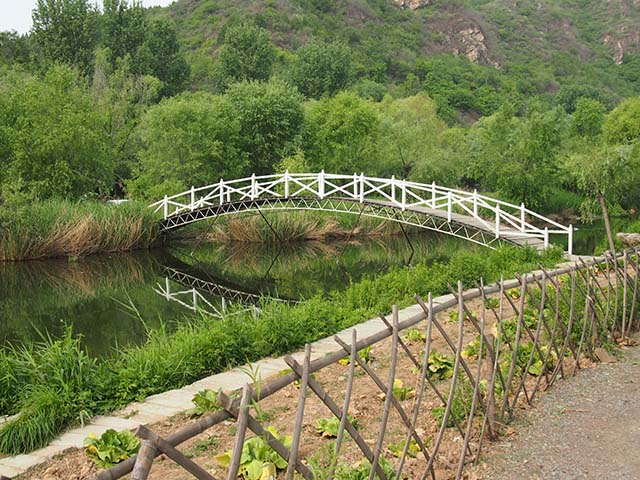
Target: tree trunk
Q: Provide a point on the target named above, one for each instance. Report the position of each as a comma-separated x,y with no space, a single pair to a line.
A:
607,224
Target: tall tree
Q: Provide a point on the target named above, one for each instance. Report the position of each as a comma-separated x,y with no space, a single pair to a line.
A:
271,119
321,68
246,53
124,27
65,31
160,56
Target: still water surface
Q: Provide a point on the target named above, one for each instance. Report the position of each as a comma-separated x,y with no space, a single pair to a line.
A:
97,295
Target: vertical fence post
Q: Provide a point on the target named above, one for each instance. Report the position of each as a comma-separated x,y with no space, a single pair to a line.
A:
449,207
403,186
286,183
393,189
570,240
498,221
475,203
166,207
522,222
321,184
361,187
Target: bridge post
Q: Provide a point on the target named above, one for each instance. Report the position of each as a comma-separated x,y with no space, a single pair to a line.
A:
355,185
193,198
361,187
286,183
403,185
498,221
321,184
570,246
449,207
253,195
393,188
546,237
433,194
166,289
166,207
221,191
522,219
475,203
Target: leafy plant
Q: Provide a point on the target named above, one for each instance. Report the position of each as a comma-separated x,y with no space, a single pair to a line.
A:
361,470
204,401
365,355
328,427
111,447
397,448
415,335
472,348
440,366
453,316
401,392
258,461
514,293
492,303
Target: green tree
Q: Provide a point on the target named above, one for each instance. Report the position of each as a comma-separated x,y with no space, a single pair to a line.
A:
271,118
343,135
56,143
190,139
622,125
321,68
588,117
160,56
607,175
246,53
124,27
121,97
410,137
66,31
14,48
517,156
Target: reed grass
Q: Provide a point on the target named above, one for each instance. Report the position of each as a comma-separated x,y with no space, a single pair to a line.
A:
54,384
59,228
296,226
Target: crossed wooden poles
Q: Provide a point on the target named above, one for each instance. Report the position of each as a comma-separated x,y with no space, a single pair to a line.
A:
559,340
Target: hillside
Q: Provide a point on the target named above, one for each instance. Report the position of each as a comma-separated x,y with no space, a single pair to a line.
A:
541,45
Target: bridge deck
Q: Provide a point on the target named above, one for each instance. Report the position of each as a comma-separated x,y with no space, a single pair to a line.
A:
511,235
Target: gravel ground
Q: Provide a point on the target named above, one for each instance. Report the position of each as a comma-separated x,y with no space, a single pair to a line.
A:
585,427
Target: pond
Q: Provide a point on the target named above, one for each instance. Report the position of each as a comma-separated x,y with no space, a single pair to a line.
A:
114,299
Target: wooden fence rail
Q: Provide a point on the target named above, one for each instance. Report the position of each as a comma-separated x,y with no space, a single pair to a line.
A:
504,343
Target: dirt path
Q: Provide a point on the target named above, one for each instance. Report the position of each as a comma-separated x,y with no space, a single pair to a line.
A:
586,427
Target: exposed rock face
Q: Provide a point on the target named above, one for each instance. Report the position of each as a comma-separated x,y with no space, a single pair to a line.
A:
413,4
623,39
473,45
631,239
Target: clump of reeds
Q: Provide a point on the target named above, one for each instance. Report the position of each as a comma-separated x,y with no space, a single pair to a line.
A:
296,227
58,228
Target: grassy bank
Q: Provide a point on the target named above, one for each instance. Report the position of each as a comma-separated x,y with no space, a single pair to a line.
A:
54,384
59,228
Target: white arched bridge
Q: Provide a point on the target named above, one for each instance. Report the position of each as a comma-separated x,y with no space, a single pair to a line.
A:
469,215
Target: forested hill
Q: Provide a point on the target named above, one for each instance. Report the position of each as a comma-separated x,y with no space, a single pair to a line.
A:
520,48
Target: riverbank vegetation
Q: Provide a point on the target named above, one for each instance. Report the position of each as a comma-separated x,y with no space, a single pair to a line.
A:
54,384
58,228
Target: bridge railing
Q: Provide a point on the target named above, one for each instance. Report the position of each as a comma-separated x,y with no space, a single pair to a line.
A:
503,219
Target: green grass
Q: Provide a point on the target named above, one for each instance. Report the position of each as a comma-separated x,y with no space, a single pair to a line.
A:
49,385
60,228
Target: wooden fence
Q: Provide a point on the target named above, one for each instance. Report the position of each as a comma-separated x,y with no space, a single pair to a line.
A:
479,355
